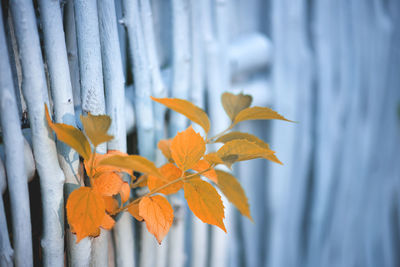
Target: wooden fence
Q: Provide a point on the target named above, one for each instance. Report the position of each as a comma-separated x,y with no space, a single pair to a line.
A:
330,65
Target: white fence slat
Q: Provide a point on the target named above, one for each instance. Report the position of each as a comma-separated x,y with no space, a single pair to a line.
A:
114,84
14,167
36,94
61,91
92,88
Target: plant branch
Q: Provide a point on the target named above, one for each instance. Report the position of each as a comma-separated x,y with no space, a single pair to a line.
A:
211,140
158,189
139,180
92,166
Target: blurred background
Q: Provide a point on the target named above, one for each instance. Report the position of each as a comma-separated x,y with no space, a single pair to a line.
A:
332,66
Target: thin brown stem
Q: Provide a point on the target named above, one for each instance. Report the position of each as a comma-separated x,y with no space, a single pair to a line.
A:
211,140
92,166
158,189
142,178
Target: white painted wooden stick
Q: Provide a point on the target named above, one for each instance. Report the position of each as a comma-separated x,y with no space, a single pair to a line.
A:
286,188
35,93
158,89
14,62
143,107
122,35
218,81
90,67
29,161
181,66
249,53
60,85
6,251
114,83
73,62
181,61
129,113
143,103
252,178
198,237
92,90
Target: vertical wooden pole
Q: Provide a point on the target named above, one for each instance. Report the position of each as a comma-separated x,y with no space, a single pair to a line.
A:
61,89
17,178
92,89
114,82
44,148
143,107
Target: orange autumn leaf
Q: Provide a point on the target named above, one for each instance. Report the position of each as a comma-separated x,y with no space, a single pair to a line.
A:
134,211
205,202
213,158
251,138
258,113
98,168
191,111
187,148
233,104
125,192
239,135
70,136
108,184
108,222
158,215
169,172
132,163
165,147
85,212
111,204
203,165
240,150
234,192
96,127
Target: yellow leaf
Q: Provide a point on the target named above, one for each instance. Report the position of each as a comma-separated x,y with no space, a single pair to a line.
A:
96,127
165,147
170,173
233,104
125,192
132,162
158,215
134,211
99,169
187,109
108,184
234,192
187,148
249,137
70,136
213,158
241,149
205,202
85,212
239,135
274,158
108,222
203,165
258,113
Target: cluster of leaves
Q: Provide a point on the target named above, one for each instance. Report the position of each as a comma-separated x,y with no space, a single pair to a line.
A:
188,166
